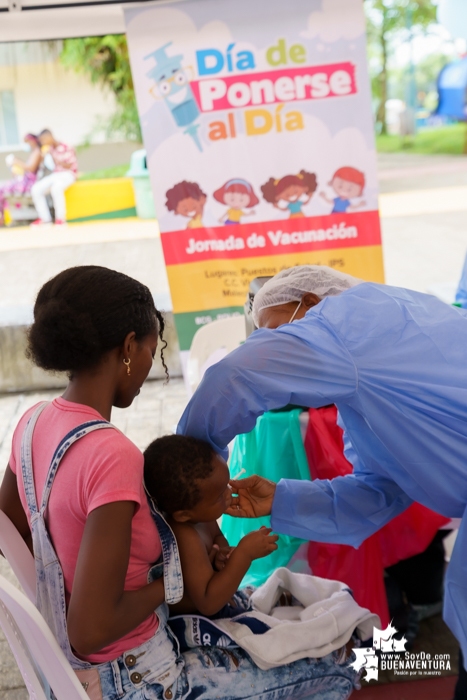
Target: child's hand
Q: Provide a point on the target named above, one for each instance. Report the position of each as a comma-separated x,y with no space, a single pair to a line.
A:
259,543
221,557
213,553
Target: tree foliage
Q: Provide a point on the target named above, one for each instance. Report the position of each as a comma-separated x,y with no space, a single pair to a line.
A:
426,73
387,19
105,61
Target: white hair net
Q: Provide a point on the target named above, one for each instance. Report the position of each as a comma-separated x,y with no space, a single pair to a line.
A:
291,284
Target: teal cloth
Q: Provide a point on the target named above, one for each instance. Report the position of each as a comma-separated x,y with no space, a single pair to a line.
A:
273,449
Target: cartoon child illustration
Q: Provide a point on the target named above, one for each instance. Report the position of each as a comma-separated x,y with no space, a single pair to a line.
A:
237,194
187,199
347,183
290,192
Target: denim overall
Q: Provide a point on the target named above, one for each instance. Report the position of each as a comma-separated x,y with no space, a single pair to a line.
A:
156,670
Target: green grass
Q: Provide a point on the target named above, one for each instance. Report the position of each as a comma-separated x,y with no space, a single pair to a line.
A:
115,171
449,140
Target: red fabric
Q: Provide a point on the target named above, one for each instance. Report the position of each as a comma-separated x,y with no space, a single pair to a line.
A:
362,569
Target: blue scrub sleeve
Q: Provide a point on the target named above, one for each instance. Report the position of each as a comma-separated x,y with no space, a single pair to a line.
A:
303,363
346,510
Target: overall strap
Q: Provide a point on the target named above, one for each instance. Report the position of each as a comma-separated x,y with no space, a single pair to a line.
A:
173,577
50,582
65,444
26,459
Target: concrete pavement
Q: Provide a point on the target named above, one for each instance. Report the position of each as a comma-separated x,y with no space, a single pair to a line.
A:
423,206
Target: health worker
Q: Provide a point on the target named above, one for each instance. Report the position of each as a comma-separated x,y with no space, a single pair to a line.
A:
394,361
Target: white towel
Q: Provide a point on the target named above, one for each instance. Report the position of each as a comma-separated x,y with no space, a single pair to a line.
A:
326,621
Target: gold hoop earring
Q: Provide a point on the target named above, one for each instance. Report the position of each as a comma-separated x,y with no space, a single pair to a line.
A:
127,365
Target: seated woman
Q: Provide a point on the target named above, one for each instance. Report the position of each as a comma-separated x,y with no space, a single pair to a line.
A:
77,482
24,173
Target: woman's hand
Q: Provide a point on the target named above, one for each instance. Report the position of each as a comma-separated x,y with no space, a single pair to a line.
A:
251,497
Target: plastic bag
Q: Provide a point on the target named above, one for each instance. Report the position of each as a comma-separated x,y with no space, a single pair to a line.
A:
273,449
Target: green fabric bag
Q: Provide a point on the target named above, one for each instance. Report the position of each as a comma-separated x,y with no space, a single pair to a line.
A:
273,449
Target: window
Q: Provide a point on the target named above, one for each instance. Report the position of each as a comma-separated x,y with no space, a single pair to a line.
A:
8,126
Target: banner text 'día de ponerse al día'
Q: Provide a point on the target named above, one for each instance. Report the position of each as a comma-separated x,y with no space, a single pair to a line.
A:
259,139
269,87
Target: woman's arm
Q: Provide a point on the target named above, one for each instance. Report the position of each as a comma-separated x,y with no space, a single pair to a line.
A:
11,505
98,585
210,590
32,163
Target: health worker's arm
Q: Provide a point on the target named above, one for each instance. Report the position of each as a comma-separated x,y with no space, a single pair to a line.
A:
345,510
303,363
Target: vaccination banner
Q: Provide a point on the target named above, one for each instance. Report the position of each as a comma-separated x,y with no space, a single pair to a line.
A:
257,123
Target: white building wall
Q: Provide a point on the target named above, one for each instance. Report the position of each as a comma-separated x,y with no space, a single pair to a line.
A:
47,96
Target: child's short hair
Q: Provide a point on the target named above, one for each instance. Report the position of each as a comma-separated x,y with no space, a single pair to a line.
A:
173,465
351,175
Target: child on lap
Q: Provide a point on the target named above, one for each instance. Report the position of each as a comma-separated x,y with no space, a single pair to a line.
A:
190,484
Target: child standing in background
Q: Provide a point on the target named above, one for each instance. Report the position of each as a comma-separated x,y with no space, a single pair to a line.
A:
63,176
24,172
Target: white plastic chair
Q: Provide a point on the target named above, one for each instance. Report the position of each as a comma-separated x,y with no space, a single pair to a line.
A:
211,343
40,654
16,552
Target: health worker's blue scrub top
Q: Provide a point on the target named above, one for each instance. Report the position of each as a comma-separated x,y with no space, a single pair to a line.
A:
394,362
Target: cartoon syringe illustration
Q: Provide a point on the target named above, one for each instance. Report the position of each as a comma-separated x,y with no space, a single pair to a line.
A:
173,86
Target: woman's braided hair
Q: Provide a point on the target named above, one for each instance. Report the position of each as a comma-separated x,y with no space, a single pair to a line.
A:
83,312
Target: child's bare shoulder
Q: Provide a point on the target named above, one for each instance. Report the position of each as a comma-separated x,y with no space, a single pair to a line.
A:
185,532
180,528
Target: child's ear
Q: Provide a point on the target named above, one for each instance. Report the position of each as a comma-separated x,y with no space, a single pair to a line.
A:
181,516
